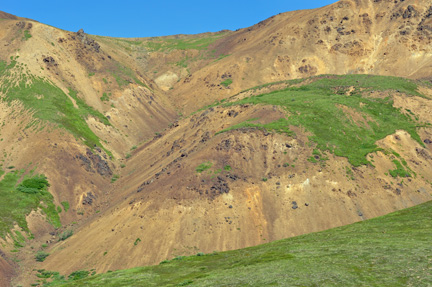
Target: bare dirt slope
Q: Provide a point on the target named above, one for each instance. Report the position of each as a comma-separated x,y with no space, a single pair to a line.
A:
349,36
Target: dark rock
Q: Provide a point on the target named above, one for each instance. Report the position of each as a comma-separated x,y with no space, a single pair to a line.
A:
232,176
88,199
21,24
427,141
230,206
294,205
101,165
306,204
409,12
88,42
86,163
205,137
225,145
50,61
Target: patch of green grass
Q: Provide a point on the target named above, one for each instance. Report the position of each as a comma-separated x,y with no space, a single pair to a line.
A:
91,74
65,205
227,168
399,171
41,256
104,97
227,82
115,178
49,103
321,111
27,35
203,167
393,250
17,201
138,240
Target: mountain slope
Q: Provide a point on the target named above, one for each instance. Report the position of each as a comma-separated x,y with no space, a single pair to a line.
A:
374,252
367,37
108,147
217,181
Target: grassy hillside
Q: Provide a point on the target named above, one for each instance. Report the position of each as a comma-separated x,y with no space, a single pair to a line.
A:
393,250
345,114
47,102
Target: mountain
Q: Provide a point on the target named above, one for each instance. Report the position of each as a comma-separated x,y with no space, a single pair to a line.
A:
121,152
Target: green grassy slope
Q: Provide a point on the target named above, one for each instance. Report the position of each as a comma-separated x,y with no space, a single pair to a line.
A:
18,200
321,108
48,102
392,250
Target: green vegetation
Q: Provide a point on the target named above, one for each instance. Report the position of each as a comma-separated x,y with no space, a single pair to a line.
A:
203,167
27,35
41,256
399,171
226,83
115,178
375,252
346,125
65,205
196,43
18,201
124,76
138,240
104,97
91,74
65,235
49,103
227,168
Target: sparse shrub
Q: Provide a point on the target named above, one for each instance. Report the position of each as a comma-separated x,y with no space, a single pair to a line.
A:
200,254
227,82
164,262
77,275
104,97
27,35
138,240
264,179
65,235
41,256
204,166
227,168
128,155
65,205
114,178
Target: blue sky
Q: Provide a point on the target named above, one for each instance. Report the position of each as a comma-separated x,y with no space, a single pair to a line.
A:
128,18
